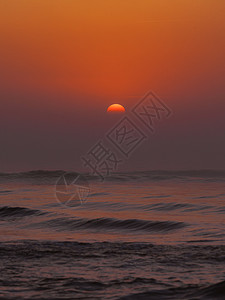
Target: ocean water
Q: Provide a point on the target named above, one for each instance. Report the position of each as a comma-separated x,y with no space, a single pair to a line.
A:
140,235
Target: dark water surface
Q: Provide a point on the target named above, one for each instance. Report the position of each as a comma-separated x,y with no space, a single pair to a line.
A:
143,235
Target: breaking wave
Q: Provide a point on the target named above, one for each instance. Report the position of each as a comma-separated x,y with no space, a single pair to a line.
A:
102,224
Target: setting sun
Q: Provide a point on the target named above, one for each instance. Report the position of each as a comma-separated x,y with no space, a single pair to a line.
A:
116,108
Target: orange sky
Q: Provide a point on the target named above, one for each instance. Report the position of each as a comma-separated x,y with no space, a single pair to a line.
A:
91,53
111,48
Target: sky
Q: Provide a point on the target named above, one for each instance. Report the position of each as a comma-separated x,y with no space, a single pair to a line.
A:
63,62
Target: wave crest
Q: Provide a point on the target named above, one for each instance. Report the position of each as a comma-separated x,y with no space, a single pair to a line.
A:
102,224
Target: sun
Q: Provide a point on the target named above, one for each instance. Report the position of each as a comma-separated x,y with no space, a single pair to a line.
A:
115,108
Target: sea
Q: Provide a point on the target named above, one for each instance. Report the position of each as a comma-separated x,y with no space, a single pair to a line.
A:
134,235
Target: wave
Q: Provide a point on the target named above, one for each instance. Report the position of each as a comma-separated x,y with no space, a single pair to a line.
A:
35,173
166,206
214,291
41,177
166,253
9,211
153,175
5,192
162,175
124,281
102,224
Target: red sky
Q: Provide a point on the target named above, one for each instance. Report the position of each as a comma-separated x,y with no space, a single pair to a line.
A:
63,62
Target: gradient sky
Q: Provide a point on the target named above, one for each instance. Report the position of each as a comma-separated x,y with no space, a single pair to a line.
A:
63,62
